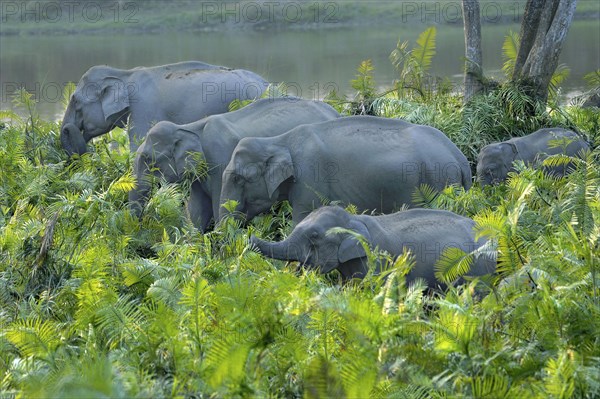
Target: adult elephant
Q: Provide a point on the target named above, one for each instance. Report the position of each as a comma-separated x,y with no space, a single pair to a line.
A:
107,97
427,233
170,149
495,160
370,162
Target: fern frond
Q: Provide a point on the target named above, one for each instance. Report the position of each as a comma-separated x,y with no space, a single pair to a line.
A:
424,196
238,104
399,55
489,224
425,50
510,49
34,337
559,75
226,361
593,78
119,320
558,160
166,290
560,376
321,380
357,377
124,184
490,386
452,264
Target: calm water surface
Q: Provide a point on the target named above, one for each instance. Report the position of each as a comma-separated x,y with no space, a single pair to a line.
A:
310,62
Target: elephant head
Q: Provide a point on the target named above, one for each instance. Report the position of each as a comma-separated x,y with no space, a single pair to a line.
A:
494,162
99,103
167,152
311,243
254,176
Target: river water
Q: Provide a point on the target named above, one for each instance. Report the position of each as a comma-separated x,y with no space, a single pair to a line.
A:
311,62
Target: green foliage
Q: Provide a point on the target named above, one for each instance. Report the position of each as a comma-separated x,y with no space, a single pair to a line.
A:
272,91
94,303
510,50
364,84
413,65
366,93
593,78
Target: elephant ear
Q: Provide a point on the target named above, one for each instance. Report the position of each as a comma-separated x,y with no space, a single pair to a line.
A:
278,169
510,151
350,248
187,152
113,97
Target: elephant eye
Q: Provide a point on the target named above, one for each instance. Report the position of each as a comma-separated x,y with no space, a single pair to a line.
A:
314,235
237,179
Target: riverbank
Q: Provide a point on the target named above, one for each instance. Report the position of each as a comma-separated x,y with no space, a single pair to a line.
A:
153,17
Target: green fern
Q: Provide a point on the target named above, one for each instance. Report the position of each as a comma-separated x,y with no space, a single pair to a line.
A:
36,338
120,320
322,379
364,85
424,52
491,386
560,381
453,263
593,78
510,49
413,65
358,379
166,290
561,73
424,195
226,360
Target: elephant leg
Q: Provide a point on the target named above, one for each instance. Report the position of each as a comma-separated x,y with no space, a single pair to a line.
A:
200,207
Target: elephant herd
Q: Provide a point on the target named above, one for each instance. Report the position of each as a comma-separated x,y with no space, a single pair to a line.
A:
297,150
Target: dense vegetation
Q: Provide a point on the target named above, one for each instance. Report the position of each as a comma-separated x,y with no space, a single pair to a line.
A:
94,303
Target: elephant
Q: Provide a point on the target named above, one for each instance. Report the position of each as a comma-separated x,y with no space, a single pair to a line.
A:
371,162
107,97
168,146
495,160
425,232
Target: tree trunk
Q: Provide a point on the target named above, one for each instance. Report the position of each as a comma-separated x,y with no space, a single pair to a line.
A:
474,59
543,31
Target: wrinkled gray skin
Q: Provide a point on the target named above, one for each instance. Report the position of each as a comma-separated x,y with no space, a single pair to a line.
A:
107,97
425,232
370,162
495,160
168,146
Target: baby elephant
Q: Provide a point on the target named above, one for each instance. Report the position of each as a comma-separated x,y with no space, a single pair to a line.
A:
495,160
425,232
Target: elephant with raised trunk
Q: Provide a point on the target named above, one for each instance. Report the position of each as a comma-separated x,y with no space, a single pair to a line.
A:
370,162
169,149
425,232
495,160
107,97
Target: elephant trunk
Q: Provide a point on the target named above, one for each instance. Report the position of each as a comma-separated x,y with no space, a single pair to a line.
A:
72,140
230,192
284,250
71,137
138,197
